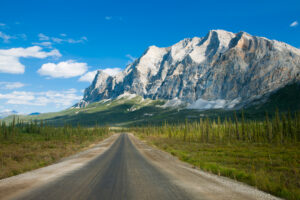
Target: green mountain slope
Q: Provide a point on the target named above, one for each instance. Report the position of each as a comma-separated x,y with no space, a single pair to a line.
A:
286,98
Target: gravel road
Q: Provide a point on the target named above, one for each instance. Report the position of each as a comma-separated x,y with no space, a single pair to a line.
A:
126,168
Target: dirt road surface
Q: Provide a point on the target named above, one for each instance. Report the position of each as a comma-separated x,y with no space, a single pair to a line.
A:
123,167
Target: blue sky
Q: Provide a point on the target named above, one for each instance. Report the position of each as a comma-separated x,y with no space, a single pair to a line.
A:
48,46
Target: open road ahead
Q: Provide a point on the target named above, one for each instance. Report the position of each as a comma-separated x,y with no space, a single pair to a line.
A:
125,168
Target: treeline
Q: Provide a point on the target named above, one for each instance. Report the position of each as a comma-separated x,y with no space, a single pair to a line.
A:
18,129
279,129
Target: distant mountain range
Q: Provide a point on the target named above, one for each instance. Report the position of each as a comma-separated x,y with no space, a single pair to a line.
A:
6,113
220,70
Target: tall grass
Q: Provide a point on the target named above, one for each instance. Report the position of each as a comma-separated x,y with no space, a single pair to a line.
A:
27,146
17,130
265,154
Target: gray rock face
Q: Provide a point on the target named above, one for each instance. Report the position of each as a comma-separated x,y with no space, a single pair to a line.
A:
222,66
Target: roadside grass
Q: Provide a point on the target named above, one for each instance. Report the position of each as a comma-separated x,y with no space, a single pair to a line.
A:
264,154
271,168
27,151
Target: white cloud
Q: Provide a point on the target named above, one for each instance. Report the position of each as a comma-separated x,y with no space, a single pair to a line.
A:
5,110
22,36
295,23
112,71
65,69
43,37
11,85
59,98
2,24
45,44
57,40
34,51
115,18
5,37
131,57
72,41
88,77
9,58
17,97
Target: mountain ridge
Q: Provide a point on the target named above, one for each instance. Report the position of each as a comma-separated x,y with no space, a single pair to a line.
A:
230,68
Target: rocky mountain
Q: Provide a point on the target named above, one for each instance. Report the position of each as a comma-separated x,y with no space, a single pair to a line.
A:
220,70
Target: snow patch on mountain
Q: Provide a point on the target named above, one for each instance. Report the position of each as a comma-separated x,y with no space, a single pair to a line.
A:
173,103
127,96
202,104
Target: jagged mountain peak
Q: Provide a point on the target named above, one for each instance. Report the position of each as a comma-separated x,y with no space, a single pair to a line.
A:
221,35
232,68
149,62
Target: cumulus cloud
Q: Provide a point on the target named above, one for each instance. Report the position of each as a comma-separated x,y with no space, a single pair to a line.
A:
88,77
295,23
2,24
66,69
59,98
17,97
5,37
34,51
9,58
11,85
108,17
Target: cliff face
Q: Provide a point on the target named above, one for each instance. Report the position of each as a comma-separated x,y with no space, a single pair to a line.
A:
223,68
